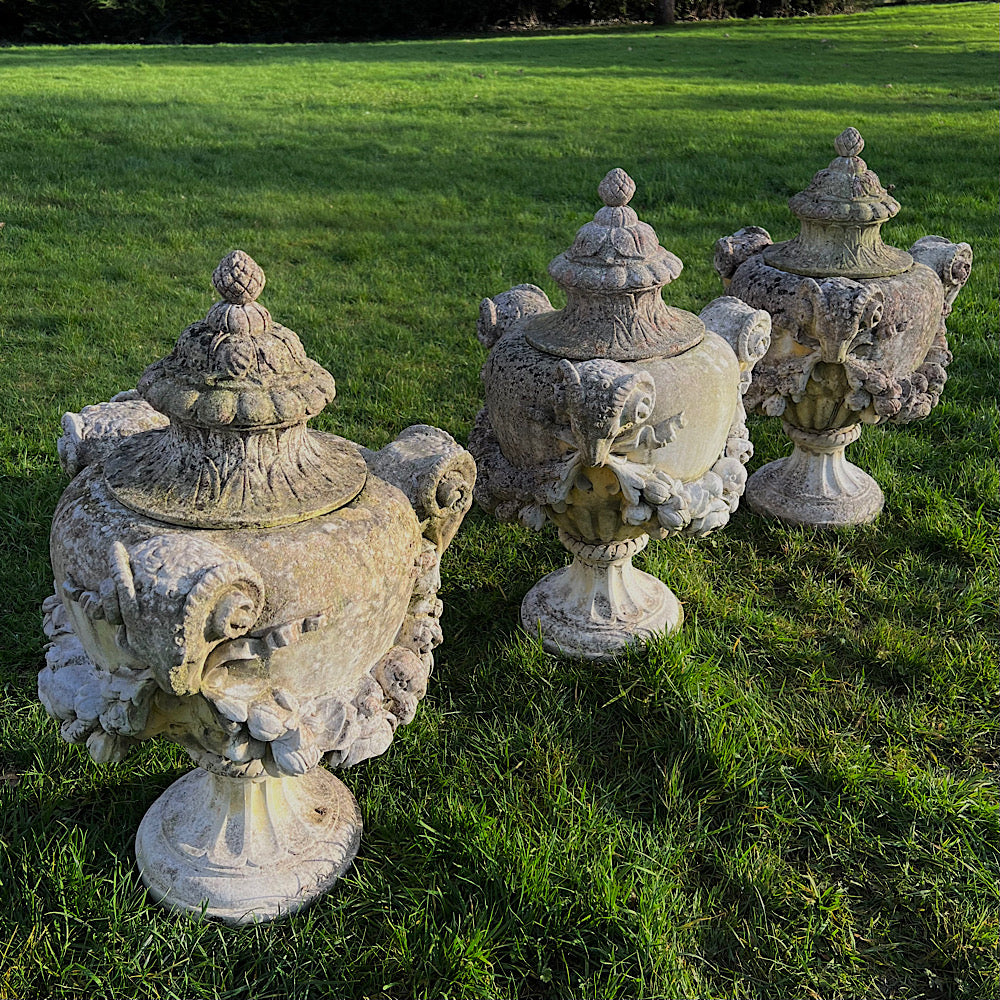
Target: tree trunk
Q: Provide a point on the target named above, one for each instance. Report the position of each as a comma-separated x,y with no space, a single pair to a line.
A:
665,12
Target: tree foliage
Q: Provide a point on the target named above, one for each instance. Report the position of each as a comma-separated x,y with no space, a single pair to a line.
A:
193,21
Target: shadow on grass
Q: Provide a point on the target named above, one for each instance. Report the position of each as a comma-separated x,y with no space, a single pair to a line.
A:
756,843
558,761
26,507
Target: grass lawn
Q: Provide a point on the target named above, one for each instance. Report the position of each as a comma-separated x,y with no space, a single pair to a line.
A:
795,797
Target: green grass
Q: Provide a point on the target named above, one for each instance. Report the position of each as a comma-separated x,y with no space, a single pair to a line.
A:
791,799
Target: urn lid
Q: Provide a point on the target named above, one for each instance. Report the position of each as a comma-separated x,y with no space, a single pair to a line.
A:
612,276
238,389
841,213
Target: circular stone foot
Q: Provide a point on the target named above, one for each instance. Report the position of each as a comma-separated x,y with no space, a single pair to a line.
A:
245,850
569,629
775,491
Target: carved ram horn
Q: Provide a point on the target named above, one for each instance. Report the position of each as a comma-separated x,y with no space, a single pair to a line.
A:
175,599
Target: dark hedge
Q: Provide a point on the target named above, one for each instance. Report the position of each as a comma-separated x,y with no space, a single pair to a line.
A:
192,21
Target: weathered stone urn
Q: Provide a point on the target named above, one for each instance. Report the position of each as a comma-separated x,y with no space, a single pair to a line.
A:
616,418
858,336
261,593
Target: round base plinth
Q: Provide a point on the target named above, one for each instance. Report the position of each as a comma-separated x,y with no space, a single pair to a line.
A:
776,490
588,632
245,850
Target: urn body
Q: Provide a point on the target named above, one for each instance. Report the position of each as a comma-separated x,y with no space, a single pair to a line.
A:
694,394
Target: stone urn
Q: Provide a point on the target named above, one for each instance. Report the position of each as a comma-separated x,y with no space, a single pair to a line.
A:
260,593
616,418
858,336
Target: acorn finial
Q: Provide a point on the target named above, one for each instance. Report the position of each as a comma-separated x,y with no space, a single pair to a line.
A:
239,279
849,143
617,188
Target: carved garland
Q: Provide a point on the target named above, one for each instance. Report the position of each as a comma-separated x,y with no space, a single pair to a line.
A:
659,503
900,400
229,726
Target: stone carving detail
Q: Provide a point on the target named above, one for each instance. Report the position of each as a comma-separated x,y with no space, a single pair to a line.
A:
92,434
236,723
593,402
858,335
102,708
434,472
266,627
237,389
616,418
731,251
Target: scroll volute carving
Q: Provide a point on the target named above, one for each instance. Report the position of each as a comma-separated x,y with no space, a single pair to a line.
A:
498,314
174,600
746,330
732,251
952,262
90,436
436,474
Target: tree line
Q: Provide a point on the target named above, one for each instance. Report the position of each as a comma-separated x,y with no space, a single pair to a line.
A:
196,21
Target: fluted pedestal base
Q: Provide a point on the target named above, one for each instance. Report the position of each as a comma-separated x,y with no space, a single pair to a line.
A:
816,485
247,849
600,603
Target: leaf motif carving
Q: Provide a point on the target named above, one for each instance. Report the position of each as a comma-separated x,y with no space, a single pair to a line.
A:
296,752
625,241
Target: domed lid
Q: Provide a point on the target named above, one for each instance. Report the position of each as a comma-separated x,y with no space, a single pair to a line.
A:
615,252
841,213
238,389
615,257
237,368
